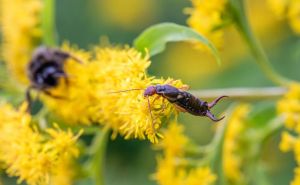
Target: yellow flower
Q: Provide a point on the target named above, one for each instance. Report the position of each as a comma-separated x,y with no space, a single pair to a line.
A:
64,174
294,15
20,24
28,154
292,143
204,173
289,106
287,142
289,9
231,159
296,180
90,96
174,141
206,17
279,7
173,169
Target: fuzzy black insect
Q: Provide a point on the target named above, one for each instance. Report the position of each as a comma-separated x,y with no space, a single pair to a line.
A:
45,70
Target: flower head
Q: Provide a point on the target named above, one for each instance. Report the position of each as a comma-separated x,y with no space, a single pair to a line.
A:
28,154
287,9
206,17
232,160
289,106
20,24
173,168
93,92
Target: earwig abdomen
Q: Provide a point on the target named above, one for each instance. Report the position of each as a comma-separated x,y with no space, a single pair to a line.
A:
187,102
191,104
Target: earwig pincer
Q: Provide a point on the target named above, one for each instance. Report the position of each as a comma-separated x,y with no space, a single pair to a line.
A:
182,100
45,70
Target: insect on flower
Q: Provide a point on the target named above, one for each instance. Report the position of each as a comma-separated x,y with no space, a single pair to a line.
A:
45,70
182,100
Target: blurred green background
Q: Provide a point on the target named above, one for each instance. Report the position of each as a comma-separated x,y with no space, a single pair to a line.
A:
132,162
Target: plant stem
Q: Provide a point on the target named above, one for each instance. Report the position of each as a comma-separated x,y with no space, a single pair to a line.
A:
242,23
242,93
97,151
48,23
216,160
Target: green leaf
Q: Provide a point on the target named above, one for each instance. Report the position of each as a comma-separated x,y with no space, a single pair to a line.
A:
156,37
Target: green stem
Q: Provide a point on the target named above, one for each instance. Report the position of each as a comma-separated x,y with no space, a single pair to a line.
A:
97,152
48,23
242,23
216,160
272,127
242,93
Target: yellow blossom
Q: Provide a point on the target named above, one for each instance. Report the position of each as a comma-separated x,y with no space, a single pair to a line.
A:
174,141
64,174
172,168
294,15
28,154
20,24
287,142
289,106
288,9
206,17
204,173
90,96
296,180
231,159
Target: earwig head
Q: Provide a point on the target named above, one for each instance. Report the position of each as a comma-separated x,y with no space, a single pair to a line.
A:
149,91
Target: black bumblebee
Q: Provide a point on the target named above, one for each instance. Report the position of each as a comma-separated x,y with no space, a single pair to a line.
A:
45,70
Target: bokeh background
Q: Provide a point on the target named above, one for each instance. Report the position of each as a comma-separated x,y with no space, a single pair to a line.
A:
120,21
132,162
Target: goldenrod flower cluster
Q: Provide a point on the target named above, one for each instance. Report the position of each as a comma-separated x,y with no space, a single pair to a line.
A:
287,9
232,161
173,169
206,17
20,27
289,107
92,94
30,155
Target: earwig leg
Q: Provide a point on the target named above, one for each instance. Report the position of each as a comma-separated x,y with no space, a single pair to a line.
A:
212,117
154,100
151,115
163,108
213,103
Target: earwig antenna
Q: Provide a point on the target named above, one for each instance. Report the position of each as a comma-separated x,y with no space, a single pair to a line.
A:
151,114
125,90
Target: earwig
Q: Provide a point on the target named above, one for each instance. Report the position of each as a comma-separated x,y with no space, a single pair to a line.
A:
183,101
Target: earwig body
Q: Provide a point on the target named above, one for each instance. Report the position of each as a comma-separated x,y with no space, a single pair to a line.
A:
184,101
